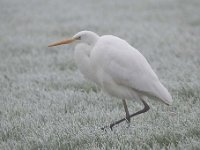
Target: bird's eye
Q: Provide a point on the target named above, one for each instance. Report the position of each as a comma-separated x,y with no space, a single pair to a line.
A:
78,38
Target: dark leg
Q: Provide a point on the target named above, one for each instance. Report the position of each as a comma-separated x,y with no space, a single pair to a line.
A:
145,109
128,119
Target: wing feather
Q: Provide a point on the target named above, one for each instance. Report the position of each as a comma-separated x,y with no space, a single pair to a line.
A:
128,67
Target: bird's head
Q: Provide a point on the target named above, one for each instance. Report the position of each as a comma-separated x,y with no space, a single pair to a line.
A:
87,37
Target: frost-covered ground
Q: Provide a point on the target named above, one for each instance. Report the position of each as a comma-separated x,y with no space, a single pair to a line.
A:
45,103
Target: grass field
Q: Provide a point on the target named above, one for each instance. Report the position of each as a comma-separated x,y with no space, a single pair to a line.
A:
45,103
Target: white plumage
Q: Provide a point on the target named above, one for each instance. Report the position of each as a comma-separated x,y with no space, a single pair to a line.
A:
118,68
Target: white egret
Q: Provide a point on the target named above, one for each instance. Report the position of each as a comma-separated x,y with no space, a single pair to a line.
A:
118,68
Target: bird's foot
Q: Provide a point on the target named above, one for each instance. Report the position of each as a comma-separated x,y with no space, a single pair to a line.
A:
128,125
128,118
128,121
107,127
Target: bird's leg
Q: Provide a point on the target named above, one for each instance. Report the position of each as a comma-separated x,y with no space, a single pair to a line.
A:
145,109
126,110
127,114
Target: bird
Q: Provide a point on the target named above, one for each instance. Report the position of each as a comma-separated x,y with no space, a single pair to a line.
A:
118,68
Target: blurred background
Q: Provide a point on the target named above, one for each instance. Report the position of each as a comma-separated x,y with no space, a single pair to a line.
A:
46,103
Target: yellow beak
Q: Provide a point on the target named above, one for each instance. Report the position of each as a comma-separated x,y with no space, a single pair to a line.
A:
66,41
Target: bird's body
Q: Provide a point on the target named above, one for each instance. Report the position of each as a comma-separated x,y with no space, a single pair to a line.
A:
118,68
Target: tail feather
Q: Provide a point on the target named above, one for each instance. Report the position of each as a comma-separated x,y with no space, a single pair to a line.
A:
163,94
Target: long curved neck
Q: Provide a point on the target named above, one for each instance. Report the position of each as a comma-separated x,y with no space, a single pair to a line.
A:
82,59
